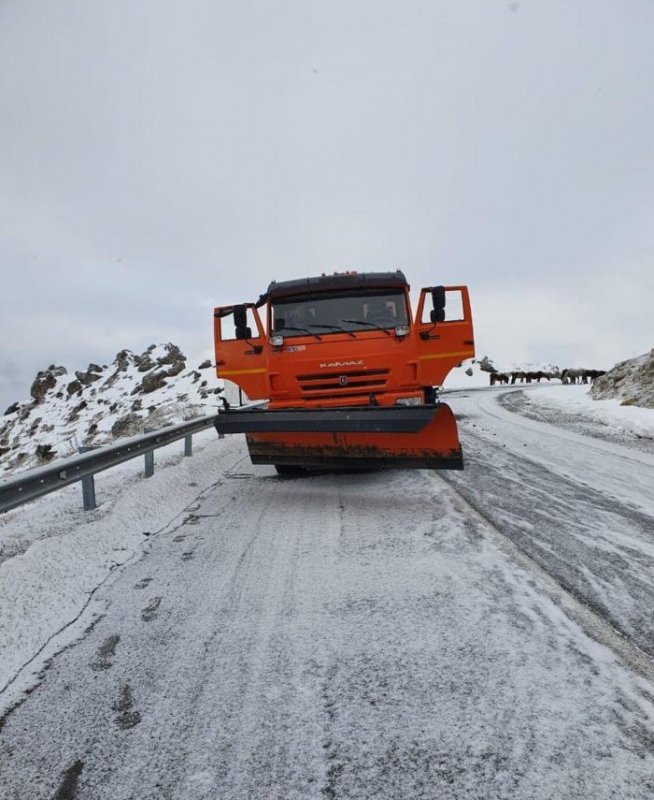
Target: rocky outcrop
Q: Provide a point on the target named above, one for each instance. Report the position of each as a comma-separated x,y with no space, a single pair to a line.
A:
172,355
128,425
13,408
44,381
176,368
631,381
88,377
144,362
45,453
73,387
153,381
122,359
205,364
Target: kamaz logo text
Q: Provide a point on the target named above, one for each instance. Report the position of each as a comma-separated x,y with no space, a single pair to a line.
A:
329,364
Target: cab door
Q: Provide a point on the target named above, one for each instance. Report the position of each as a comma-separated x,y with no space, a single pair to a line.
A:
240,345
444,332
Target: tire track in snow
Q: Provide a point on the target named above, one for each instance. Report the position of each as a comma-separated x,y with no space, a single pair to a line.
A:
596,626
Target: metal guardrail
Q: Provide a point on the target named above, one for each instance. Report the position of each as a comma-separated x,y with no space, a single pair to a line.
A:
37,482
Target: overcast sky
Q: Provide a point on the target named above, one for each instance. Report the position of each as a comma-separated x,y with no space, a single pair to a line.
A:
158,158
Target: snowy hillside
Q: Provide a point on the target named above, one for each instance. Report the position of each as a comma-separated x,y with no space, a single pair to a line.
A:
631,382
102,403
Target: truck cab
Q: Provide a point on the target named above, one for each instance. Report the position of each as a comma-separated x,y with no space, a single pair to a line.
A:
347,339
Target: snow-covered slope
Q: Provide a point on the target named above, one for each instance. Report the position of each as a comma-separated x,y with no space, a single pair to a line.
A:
102,403
631,382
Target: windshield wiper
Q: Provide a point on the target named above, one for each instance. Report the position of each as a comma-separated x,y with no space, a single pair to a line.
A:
334,328
302,330
372,325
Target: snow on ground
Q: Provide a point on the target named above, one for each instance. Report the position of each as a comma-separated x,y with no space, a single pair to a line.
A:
277,640
581,508
570,405
576,400
54,554
284,642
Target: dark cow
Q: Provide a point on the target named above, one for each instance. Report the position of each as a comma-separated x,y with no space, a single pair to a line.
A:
536,376
592,374
581,375
498,377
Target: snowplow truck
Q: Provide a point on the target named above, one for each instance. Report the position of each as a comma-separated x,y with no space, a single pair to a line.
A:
349,374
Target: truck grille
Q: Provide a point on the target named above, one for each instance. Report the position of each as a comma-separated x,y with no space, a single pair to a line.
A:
355,382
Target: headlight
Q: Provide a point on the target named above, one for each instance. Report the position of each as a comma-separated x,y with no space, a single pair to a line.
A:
401,330
277,340
408,401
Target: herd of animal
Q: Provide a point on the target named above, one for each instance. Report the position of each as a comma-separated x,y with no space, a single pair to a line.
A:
565,376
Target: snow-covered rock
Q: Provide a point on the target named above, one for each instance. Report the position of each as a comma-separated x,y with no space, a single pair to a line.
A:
631,381
136,392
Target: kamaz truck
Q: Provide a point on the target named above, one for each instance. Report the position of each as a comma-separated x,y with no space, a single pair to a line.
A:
349,372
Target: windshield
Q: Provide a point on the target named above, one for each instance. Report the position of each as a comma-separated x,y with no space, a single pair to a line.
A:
334,313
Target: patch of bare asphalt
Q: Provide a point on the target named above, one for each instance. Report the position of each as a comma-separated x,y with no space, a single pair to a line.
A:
150,611
69,782
126,717
142,584
106,652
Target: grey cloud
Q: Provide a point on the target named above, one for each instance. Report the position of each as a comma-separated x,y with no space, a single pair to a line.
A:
156,157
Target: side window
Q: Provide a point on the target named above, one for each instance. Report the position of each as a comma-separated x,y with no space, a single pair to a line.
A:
453,307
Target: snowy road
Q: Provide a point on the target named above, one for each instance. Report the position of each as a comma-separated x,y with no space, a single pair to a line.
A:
582,508
397,635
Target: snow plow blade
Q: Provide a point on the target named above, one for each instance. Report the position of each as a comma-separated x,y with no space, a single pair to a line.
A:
366,437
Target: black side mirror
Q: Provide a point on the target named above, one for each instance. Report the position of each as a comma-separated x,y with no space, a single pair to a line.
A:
241,323
437,315
438,298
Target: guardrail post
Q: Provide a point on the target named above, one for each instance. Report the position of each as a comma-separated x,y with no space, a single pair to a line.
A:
188,445
149,463
88,486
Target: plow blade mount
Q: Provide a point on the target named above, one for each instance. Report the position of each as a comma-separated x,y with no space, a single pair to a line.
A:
379,437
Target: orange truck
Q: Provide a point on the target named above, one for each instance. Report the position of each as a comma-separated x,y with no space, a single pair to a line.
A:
349,373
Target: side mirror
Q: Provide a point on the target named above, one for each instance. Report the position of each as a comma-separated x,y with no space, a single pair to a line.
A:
438,298
438,301
241,322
